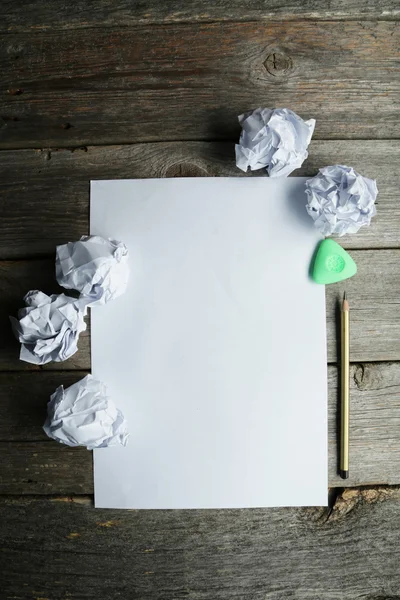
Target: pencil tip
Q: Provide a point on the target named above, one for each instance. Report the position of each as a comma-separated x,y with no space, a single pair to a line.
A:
344,296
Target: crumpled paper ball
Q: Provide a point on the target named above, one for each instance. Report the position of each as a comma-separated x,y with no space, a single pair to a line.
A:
273,139
83,415
48,327
96,267
340,200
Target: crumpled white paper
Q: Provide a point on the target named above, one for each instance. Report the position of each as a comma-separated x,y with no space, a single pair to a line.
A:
83,415
275,139
96,267
48,327
340,200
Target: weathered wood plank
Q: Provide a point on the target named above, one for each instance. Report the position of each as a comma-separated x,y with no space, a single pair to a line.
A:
59,548
33,464
374,424
185,82
19,16
23,402
44,468
374,301
374,296
44,195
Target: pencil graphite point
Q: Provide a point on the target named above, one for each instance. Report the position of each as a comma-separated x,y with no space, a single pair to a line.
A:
345,305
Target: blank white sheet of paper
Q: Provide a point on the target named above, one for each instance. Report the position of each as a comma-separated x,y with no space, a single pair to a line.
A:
216,354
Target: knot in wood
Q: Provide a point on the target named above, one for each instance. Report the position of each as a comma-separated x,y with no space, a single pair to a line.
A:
278,64
185,170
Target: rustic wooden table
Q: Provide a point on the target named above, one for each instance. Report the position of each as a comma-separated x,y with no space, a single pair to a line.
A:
118,89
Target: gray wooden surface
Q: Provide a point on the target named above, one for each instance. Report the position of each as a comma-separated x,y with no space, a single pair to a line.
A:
189,82
153,89
351,552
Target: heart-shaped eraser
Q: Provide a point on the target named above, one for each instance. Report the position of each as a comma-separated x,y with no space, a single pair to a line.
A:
332,263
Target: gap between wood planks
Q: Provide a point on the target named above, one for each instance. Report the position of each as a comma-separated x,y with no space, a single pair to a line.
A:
46,256
355,364
341,501
266,18
228,140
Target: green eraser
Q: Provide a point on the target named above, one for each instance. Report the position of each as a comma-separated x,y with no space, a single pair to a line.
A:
332,263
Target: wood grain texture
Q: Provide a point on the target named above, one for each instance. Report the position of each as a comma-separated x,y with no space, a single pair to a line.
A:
57,549
52,186
44,468
370,309
374,424
37,15
23,402
74,76
33,464
374,298
189,82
